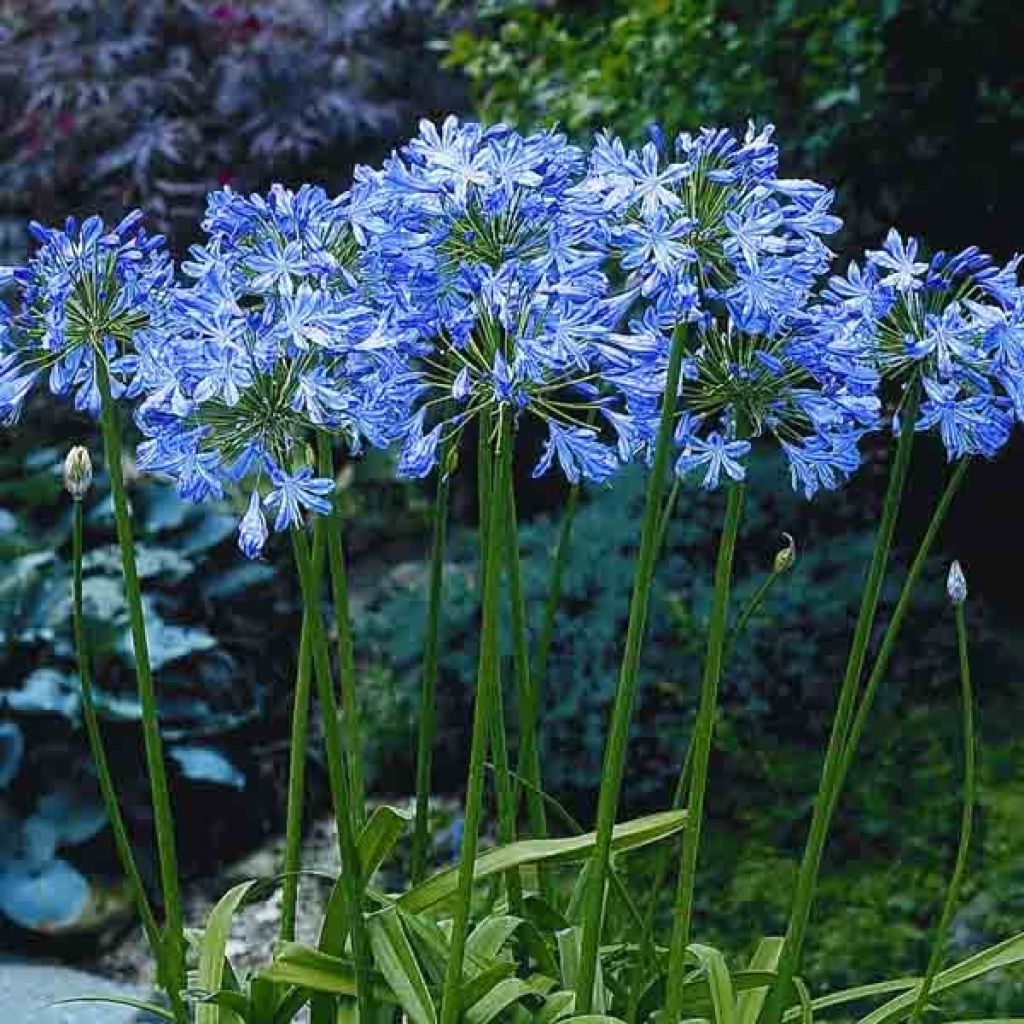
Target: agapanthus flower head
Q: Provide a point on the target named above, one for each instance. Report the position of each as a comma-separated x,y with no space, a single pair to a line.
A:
707,228
84,298
490,257
706,238
266,346
739,388
950,328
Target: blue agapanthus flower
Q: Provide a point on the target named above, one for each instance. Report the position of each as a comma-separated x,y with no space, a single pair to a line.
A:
489,257
270,343
951,327
84,298
707,235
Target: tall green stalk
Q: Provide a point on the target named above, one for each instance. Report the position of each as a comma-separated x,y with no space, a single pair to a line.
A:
337,774
966,819
163,818
554,597
298,755
526,685
622,711
122,842
482,715
346,648
428,690
892,632
807,878
703,734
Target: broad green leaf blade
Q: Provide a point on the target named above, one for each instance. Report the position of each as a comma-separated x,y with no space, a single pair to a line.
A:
765,958
212,946
854,995
310,969
570,942
697,993
559,1005
480,984
1005,954
394,957
289,1007
723,996
499,859
488,938
134,1004
593,1018
379,835
505,994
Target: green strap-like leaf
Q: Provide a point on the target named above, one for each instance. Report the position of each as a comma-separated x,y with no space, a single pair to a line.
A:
212,948
394,957
723,995
499,859
296,964
134,1004
505,994
765,958
490,935
1005,954
379,835
570,941
854,995
559,1005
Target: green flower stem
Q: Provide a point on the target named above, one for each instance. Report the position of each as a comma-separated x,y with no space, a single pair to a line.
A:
554,598
622,711
346,649
298,755
894,628
807,878
966,820
526,685
751,608
351,869
163,818
428,691
482,715
99,756
668,511
506,792
703,736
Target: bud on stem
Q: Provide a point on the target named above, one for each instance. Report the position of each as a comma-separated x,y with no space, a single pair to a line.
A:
956,584
786,558
77,472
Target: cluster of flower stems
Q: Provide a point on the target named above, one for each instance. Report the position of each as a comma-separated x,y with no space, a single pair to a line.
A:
319,558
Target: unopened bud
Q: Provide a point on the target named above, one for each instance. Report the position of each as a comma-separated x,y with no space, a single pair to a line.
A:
786,558
77,472
956,584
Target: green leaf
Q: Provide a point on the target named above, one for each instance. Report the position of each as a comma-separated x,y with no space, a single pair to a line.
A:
135,1004
627,836
569,943
723,996
503,995
394,957
212,945
558,1006
379,835
1005,954
765,958
308,968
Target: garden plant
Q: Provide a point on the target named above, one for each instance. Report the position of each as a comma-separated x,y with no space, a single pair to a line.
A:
674,306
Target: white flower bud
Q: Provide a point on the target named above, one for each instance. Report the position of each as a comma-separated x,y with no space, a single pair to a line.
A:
77,472
786,558
956,584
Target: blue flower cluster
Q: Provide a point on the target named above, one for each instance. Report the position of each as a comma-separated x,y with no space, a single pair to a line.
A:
950,328
271,342
708,235
490,255
85,298
482,276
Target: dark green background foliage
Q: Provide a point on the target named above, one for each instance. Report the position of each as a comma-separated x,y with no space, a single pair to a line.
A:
782,674
913,108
